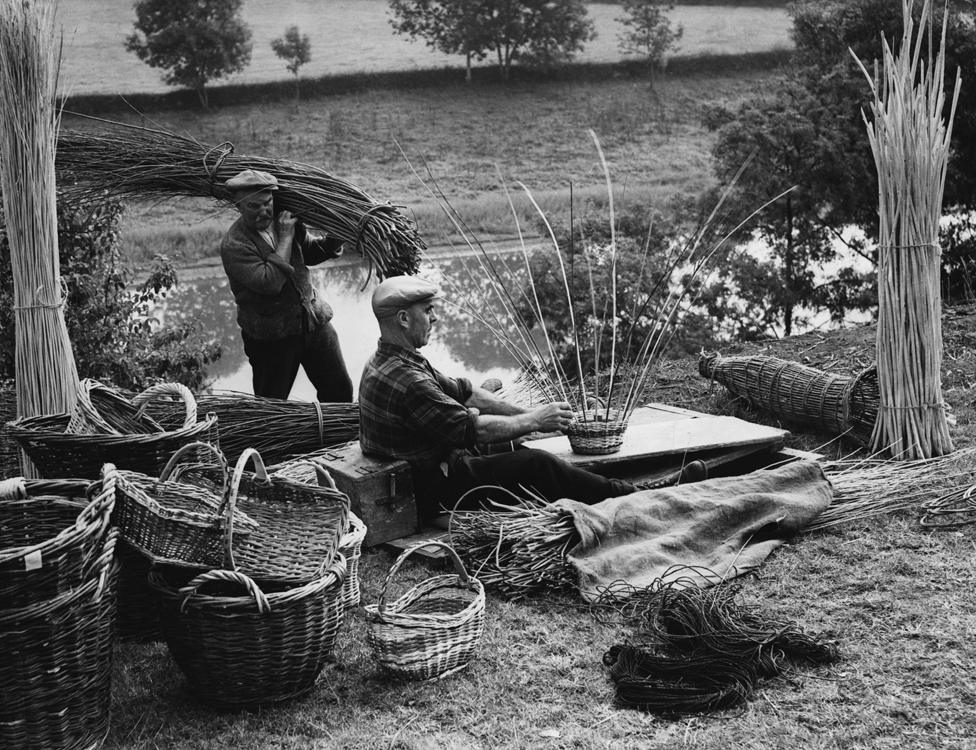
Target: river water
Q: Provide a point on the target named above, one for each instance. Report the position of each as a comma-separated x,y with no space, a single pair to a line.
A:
461,344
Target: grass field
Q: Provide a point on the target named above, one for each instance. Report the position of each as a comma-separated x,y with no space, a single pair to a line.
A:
533,132
898,600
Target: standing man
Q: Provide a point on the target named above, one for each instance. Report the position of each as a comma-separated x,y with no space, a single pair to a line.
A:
283,325
409,410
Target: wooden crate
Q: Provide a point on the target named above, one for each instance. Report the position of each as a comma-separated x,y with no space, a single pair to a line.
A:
380,491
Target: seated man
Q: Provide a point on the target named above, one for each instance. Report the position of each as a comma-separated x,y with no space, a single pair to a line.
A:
410,411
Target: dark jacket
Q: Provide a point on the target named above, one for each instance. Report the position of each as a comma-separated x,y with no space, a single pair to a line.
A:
274,298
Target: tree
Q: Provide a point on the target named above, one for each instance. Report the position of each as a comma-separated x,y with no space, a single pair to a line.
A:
112,333
648,30
295,49
539,32
194,41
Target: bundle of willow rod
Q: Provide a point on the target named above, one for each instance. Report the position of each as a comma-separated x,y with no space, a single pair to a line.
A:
705,651
795,393
9,450
951,509
864,488
44,365
910,142
518,549
604,402
134,162
278,429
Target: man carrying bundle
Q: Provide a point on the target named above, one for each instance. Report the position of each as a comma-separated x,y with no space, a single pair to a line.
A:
283,325
410,411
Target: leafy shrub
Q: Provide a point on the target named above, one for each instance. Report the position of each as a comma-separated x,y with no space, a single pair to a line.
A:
112,331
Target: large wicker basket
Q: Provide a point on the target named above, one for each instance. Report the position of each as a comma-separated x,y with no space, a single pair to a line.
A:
241,644
433,629
174,522
103,410
299,525
56,668
51,535
58,453
800,395
596,432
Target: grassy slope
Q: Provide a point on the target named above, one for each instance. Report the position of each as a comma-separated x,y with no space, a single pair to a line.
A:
900,601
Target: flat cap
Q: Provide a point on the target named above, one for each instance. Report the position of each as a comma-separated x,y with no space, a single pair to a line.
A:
252,179
400,292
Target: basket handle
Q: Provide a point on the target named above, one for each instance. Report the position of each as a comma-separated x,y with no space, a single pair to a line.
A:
168,389
458,567
230,499
174,460
228,576
14,488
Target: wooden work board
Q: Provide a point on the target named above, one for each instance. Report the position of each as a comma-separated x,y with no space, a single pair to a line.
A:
660,434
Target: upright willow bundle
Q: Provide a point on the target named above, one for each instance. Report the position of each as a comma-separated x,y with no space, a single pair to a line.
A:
135,162
626,340
910,142
44,364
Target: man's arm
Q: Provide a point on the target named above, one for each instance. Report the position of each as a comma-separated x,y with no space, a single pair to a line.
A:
494,428
317,248
487,403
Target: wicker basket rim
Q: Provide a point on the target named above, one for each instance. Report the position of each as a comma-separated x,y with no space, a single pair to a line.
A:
23,429
391,614
133,483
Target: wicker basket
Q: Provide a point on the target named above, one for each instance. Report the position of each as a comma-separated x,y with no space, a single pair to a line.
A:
174,522
597,433
51,534
351,548
351,543
58,453
265,645
103,410
800,395
56,667
299,524
433,629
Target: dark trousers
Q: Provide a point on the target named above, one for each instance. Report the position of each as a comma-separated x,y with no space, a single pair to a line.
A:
520,471
274,364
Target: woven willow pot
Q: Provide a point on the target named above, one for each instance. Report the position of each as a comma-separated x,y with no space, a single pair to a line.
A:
597,433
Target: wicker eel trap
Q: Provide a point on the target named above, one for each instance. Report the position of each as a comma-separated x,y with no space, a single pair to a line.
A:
433,629
795,393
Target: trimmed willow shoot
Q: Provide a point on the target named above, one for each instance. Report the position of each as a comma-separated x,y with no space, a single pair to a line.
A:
133,162
909,138
44,364
624,337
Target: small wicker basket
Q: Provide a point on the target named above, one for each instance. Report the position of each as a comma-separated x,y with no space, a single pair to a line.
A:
173,522
597,432
263,646
433,629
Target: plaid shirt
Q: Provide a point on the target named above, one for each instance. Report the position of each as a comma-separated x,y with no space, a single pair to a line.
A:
409,410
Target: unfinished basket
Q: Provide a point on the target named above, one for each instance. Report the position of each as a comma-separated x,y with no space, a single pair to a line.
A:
801,395
244,644
51,535
174,522
433,629
596,432
57,453
57,664
299,524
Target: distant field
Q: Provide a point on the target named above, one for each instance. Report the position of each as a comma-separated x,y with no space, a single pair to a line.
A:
355,35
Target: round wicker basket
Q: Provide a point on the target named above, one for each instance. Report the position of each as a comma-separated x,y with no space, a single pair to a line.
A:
596,433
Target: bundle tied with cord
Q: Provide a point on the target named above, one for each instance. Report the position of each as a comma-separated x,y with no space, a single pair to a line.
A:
135,162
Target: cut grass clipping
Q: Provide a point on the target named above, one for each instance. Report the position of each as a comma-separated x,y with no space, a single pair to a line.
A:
134,162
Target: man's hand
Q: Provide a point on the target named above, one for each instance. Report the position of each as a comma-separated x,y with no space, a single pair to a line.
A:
286,224
553,417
